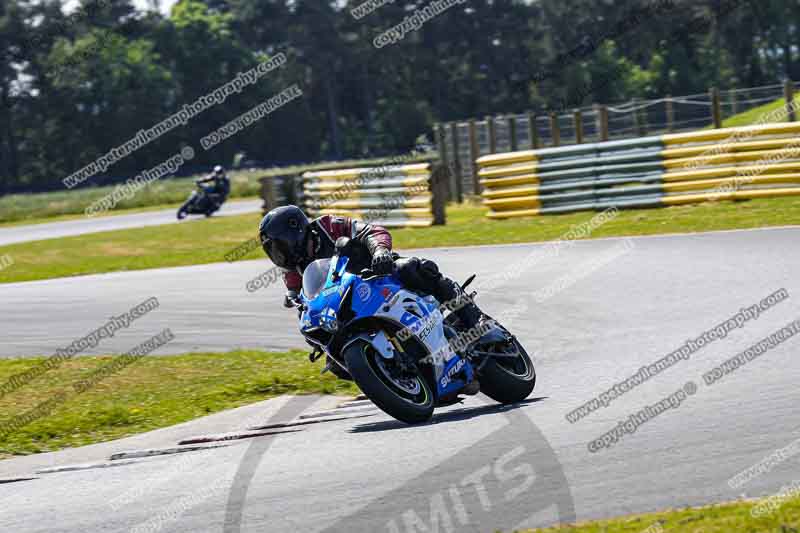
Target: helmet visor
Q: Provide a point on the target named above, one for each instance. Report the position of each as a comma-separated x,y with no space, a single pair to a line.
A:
280,253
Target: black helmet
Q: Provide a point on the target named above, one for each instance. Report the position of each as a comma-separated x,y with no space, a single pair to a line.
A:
282,232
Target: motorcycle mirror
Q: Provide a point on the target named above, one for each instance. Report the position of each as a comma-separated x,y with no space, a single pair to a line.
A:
467,283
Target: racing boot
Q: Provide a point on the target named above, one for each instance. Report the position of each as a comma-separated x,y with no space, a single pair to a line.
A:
453,297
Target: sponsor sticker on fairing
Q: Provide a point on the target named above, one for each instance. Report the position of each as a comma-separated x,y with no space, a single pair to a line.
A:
364,292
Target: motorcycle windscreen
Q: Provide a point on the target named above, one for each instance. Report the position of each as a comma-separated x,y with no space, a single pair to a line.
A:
314,277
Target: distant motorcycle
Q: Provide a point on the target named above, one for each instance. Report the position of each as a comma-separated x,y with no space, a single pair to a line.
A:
399,348
199,203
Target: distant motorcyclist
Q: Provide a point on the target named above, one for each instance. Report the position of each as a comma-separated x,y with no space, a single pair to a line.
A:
220,188
207,200
293,242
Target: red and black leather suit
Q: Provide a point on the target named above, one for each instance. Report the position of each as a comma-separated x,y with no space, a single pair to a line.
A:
416,274
324,231
293,242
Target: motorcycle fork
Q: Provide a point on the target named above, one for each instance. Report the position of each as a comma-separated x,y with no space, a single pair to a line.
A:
403,357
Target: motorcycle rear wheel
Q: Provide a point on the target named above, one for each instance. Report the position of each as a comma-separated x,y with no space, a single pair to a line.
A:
408,399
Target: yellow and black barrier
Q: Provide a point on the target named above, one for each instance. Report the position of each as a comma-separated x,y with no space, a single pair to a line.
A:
392,196
722,164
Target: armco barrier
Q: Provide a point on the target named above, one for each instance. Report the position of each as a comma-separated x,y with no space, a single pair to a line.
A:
392,196
722,164
277,191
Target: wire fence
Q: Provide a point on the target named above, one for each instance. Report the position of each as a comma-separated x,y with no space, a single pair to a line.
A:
462,142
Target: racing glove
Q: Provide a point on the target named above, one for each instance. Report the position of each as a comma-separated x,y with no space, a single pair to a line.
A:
291,299
382,261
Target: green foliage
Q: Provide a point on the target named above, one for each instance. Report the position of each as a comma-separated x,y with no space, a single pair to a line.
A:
154,392
176,245
159,194
73,86
726,518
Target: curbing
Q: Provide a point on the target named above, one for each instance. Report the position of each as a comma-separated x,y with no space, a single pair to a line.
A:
138,454
84,466
234,436
308,422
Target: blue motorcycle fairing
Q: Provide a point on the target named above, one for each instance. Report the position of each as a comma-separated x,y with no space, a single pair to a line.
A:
447,384
370,296
320,311
378,297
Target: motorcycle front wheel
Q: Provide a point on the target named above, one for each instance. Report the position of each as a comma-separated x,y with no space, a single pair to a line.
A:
508,376
406,397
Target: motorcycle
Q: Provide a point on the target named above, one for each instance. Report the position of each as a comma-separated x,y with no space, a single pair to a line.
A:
397,345
199,203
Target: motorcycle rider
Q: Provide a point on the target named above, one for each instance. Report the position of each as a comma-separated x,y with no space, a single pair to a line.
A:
218,192
293,242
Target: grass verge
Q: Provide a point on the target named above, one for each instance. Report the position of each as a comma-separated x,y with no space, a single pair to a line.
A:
50,206
158,392
152,393
25,208
66,218
758,114
244,184
728,518
208,240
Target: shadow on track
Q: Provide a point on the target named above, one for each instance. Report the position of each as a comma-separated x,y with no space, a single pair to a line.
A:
474,488
456,415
